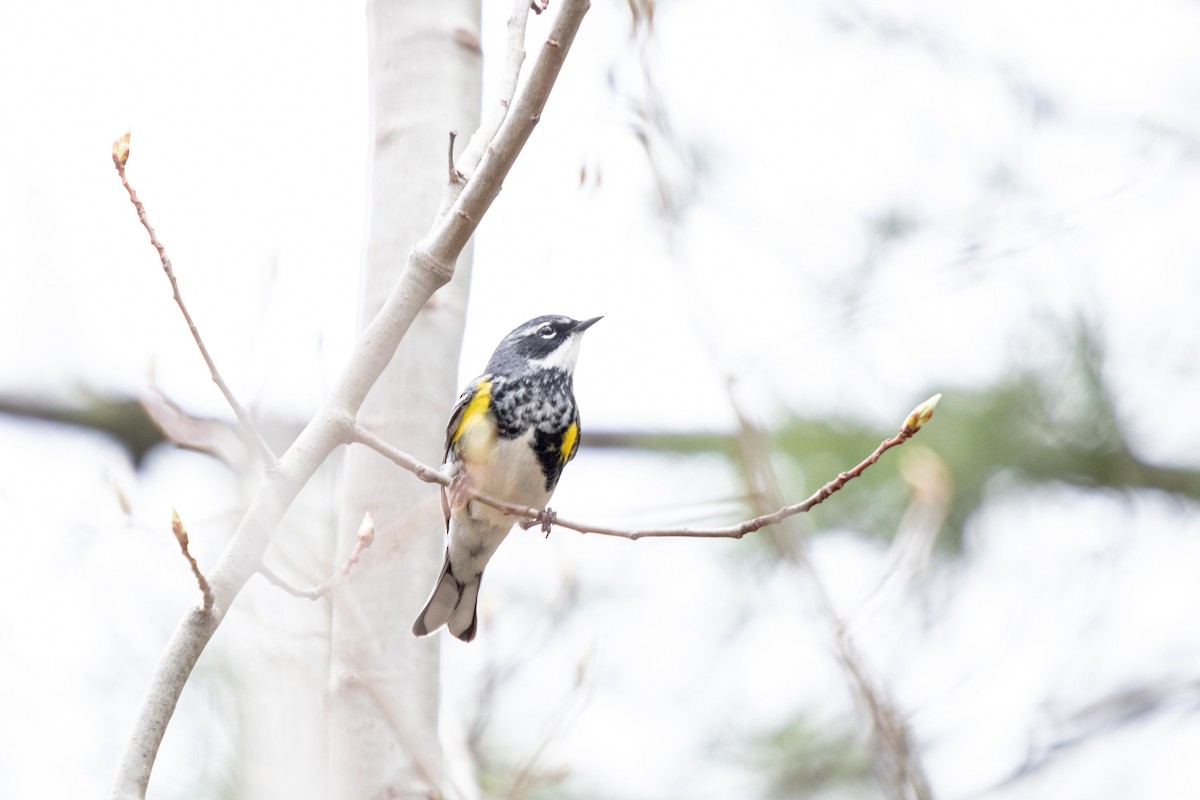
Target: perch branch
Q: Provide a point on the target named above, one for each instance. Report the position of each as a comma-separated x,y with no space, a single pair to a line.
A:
120,158
530,516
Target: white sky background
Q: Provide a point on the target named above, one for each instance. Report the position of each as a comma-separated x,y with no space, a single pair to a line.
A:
1045,153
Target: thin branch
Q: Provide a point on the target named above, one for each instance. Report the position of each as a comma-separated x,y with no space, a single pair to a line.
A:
454,175
181,536
1106,716
897,760
514,58
460,214
527,778
282,583
545,517
217,438
361,435
366,536
120,158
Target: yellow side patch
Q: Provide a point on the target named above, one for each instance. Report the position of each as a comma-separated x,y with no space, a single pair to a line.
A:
475,426
568,443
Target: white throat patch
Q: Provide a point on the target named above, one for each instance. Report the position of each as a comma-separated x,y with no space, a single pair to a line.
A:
564,357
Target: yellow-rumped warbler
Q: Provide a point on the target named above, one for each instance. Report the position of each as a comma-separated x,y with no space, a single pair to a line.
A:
512,432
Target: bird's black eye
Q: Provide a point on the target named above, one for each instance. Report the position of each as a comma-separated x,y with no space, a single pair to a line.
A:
547,331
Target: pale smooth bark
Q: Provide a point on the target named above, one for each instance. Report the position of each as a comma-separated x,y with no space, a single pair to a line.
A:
425,76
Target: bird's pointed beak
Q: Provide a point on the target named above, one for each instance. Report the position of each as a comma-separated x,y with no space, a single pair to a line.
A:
580,327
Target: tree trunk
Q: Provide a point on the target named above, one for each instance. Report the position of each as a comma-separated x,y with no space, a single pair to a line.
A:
425,74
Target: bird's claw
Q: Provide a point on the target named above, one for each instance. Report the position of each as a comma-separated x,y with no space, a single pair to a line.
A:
544,521
458,493
546,518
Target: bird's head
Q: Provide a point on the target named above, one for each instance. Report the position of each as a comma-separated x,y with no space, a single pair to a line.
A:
545,342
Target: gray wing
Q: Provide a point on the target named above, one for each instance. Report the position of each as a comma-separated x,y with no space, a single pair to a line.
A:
456,417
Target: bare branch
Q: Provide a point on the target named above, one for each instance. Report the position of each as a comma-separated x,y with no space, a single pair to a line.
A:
425,472
217,438
458,220
366,535
120,158
514,58
278,582
454,175
181,536
545,517
526,780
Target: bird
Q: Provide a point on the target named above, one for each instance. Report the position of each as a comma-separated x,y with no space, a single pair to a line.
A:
512,431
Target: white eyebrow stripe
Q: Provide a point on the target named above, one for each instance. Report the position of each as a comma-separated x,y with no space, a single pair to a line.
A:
533,329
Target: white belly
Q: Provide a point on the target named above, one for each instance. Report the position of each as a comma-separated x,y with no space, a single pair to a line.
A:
511,473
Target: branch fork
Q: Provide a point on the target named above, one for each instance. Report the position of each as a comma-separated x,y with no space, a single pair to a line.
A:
366,537
120,156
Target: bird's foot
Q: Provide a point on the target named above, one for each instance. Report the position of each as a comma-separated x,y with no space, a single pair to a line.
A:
546,518
544,521
458,493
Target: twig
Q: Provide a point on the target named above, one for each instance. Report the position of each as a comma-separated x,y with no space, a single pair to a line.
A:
181,536
120,157
483,137
514,57
366,535
897,761
537,516
455,175
527,778
912,544
1104,717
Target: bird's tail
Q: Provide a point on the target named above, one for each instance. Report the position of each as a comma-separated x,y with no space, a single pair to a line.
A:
451,603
